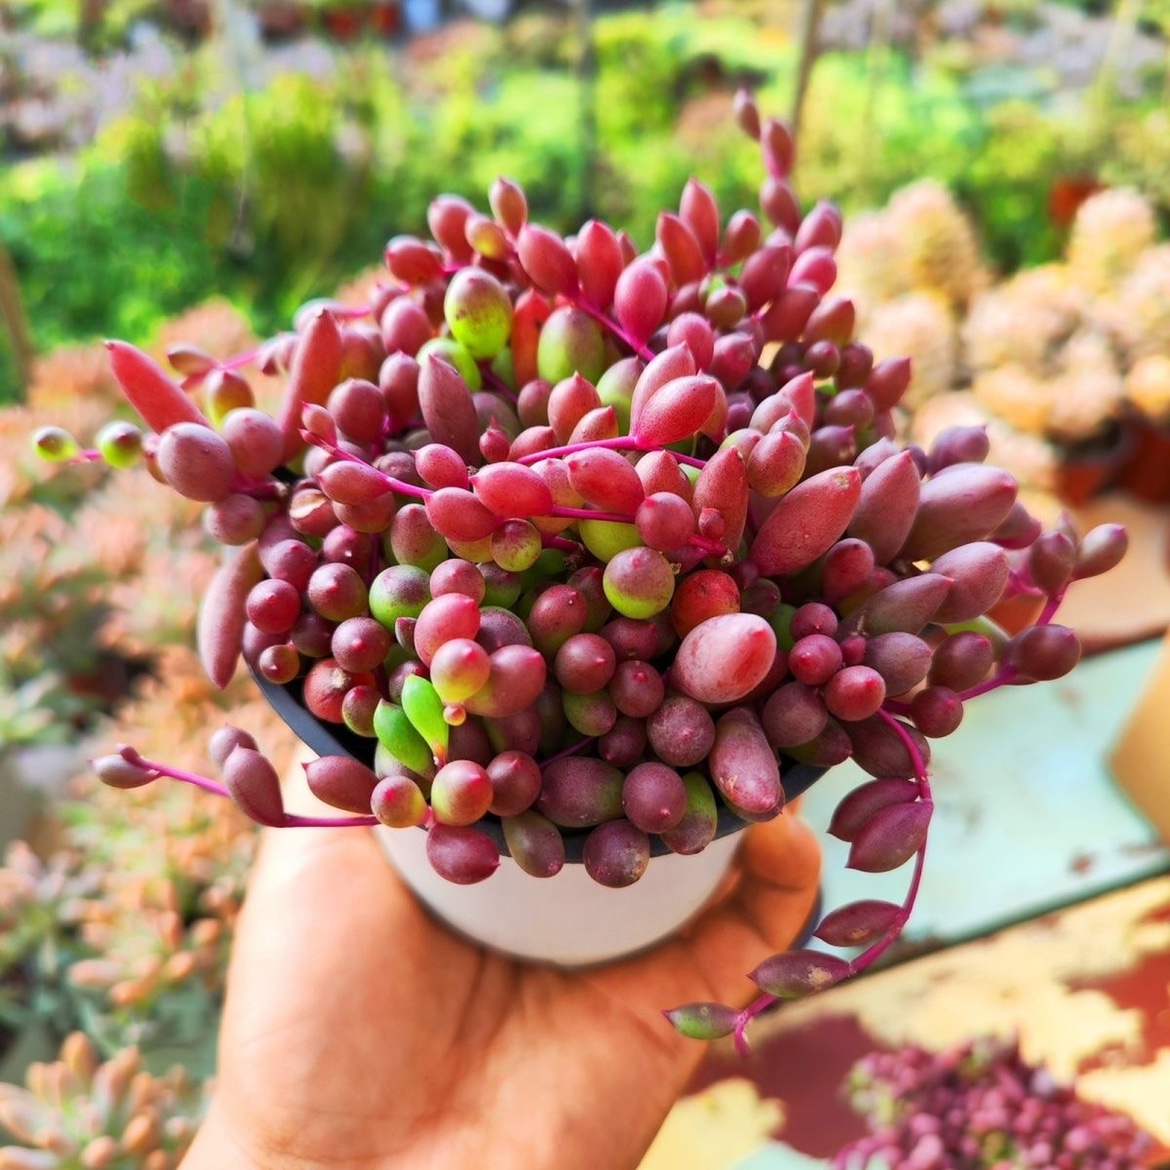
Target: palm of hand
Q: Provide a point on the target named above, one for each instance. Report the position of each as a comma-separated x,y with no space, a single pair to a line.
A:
360,1033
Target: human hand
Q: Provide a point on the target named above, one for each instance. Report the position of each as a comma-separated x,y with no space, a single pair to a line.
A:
359,1032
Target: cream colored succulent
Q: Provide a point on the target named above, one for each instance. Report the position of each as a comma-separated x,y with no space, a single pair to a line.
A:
920,326
1031,458
872,265
1089,390
75,1112
1138,309
1074,405
1110,232
1024,321
938,241
1147,386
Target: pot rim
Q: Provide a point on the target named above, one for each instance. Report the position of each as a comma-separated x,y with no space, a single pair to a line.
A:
338,740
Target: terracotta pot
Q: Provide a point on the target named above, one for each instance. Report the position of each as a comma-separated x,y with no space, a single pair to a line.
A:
1081,475
343,24
385,19
568,919
1017,613
1146,471
280,19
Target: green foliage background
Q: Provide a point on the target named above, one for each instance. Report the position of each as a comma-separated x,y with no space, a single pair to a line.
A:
270,196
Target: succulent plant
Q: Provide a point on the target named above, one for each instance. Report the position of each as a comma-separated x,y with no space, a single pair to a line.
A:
939,245
981,1106
1147,387
1138,307
123,926
921,326
871,263
40,908
546,539
1111,230
77,1112
1049,350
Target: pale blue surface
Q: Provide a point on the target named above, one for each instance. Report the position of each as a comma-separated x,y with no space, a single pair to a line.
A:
1022,793
1027,818
778,1156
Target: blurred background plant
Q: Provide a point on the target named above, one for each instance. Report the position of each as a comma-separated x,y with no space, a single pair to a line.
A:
198,154
80,1111
981,1106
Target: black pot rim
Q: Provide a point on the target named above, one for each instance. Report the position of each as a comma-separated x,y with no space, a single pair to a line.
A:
338,740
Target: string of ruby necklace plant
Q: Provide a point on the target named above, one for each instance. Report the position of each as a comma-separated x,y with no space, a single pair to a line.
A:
572,539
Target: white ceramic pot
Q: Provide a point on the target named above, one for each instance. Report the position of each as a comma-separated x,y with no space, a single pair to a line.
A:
568,919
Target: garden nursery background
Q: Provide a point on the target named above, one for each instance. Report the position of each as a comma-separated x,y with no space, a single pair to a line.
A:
195,170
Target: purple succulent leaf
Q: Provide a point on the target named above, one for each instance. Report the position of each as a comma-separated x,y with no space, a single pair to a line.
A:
858,923
855,809
793,974
703,1021
890,837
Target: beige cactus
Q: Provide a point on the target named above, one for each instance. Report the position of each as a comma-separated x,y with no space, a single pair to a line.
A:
921,326
1110,232
1076,403
1089,390
872,265
1147,386
1024,321
1138,309
938,241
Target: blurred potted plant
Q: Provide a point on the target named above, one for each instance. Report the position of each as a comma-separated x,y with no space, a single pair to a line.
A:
1061,353
980,1106
1146,473
77,1111
573,556
119,922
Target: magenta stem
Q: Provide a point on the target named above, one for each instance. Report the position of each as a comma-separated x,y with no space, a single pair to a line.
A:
566,513
620,443
498,385
1000,679
872,954
571,750
291,820
1050,607
395,484
609,323
744,1019
559,542
193,778
294,821
241,359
